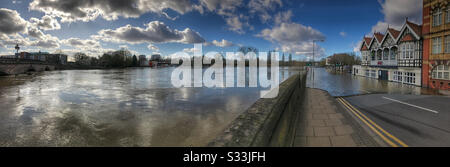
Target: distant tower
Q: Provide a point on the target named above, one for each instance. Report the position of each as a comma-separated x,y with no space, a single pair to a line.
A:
290,58
17,48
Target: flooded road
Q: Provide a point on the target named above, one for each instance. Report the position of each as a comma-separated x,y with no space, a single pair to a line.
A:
345,84
123,107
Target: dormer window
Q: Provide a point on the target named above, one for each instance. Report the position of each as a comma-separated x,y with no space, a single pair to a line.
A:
437,17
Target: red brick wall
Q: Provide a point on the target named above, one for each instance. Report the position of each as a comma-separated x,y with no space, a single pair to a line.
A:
426,45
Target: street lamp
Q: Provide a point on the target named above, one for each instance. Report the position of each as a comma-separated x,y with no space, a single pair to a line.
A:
314,47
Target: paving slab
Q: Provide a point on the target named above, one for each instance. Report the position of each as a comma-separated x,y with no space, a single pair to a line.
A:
322,122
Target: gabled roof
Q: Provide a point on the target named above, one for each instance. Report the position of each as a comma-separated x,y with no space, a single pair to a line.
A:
393,33
367,40
364,47
407,38
416,28
379,37
365,43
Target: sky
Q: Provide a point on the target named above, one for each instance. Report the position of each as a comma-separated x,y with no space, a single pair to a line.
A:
168,26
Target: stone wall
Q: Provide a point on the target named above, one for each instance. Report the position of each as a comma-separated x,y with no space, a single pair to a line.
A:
12,69
268,122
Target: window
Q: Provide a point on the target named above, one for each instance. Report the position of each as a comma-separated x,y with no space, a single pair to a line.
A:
373,55
398,76
437,46
448,14
385,54
367,73
407,50
410,78
403,50
379,53
437,17
447,44
393,53
373,73
441,72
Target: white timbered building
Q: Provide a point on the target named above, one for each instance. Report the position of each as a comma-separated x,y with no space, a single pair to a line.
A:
395,55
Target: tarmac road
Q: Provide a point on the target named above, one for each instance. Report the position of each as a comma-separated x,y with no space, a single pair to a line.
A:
405,120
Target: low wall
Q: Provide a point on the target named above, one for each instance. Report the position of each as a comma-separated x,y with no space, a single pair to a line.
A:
20,68
268,122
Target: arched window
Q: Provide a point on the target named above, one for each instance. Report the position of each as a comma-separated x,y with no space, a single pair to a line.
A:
386,54
393,53
441,72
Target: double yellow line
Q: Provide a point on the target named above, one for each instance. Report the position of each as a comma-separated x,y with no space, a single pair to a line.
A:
372,125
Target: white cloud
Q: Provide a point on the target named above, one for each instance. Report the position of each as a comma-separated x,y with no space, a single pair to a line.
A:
343,34
81,44
222,7
189,50
87,10
153,47
396,11
237,23
294,38
11,22
357,46
223,43
153,32
46,23
283,17
263,8
291,33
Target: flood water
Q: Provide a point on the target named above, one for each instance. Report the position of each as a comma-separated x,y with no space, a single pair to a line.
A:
122,107
345,84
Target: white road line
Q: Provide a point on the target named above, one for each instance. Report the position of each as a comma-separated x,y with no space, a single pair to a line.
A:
412,105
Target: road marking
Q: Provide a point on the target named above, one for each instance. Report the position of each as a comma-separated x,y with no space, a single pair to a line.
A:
376,125
369,125
412,105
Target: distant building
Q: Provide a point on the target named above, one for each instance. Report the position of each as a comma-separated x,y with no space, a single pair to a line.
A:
155,57
143,62
328,61
43,56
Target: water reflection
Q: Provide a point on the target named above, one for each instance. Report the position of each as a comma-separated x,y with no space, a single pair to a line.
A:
126,107
345,84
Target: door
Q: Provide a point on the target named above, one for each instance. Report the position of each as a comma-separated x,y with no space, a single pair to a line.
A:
383,75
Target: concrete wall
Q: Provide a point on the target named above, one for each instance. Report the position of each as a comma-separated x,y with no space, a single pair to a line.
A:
268,122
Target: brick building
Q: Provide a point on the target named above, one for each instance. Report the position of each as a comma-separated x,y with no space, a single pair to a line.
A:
436,46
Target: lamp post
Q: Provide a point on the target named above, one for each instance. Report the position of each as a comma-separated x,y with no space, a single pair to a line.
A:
314,47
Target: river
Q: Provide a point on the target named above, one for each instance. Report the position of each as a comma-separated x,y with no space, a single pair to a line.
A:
120,107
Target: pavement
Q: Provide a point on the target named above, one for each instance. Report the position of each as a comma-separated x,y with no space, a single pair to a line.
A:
323,122
404,120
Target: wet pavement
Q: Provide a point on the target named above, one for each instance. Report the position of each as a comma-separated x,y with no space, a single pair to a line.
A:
345,84
123,107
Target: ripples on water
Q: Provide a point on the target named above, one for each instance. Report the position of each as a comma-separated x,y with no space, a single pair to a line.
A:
124,107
